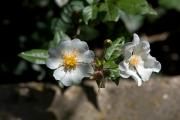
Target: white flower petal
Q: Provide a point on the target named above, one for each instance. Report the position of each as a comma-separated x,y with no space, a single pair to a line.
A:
53,63
125,72
53,52
65,46
128,50
135,76
130,47
60,74
136,39
74,45
86,69
152,63
55,59
123,66
137,79
86,57
145,73
145,46
76,76
81,46
67,81
142,48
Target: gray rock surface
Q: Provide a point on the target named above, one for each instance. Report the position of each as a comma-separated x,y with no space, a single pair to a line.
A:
157,99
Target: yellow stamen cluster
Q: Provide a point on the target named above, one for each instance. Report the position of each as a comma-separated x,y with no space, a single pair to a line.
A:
70,60
134,60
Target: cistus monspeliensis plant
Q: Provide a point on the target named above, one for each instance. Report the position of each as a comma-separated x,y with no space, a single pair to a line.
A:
91,42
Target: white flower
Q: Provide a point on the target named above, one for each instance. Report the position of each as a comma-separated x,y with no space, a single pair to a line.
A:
138,63
72,61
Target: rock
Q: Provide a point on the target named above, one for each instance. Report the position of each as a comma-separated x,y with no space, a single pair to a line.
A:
157,99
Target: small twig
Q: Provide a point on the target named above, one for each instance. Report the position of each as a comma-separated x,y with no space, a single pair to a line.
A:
156,37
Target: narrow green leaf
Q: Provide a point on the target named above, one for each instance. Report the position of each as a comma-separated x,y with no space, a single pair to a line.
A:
37,56
114,51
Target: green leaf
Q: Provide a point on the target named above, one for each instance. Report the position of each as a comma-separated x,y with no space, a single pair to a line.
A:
59,25
113,8
113,71
90,1
114,75
135,6
58,37
64,23
110,65
88,33
87,14
132,22
112,11
170,4
37,56
77,5
114,51
66,17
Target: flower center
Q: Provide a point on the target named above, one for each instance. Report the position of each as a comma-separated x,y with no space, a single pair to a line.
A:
134,60
70,60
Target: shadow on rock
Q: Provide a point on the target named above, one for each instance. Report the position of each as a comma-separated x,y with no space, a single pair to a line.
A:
91,95
26,102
